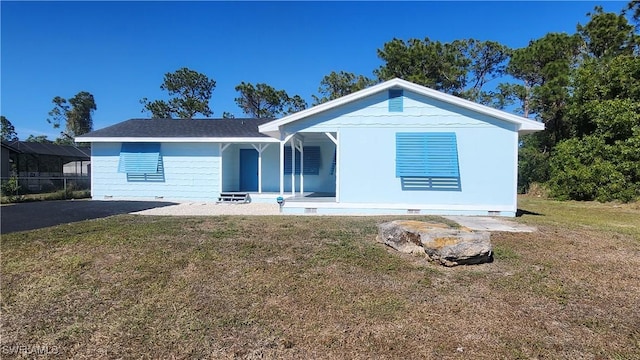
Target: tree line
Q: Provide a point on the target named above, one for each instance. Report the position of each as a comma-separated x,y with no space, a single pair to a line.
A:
585,88
75,113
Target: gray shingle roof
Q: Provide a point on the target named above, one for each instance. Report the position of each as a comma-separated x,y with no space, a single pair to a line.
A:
36,148
182,128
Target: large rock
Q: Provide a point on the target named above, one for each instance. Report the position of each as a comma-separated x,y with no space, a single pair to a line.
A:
448,246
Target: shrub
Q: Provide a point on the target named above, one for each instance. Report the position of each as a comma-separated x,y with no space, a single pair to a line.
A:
10,188
589,169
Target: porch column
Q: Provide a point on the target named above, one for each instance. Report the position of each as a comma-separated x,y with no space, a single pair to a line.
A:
260,148
283,142
260,170
335,141
221,148
293,167
301,148
282,167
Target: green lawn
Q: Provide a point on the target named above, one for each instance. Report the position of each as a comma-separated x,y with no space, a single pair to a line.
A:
608,217
321,287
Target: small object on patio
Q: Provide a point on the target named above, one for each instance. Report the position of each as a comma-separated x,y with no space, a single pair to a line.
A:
280,201
439,242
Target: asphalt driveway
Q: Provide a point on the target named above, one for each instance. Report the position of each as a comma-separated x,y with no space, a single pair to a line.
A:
41,214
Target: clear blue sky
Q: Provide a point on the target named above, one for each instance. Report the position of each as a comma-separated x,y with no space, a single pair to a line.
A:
119,51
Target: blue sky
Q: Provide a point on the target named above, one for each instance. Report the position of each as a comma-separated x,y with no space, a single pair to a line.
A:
120,51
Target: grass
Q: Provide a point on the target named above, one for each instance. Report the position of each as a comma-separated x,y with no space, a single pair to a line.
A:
608,217
321,287
56,195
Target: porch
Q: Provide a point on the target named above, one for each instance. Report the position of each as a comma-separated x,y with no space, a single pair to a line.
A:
299,166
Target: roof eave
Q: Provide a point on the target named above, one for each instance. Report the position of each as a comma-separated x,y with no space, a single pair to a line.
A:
529,126
528,131
98,139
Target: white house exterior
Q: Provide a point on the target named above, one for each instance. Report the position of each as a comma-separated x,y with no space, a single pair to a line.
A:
393,148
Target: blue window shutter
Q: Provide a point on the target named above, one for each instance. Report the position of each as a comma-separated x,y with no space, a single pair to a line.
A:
410,154
287,161
395,100
140,158
311,160
152,177
426,155
442,155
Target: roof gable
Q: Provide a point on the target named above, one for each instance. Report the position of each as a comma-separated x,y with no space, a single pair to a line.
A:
524,125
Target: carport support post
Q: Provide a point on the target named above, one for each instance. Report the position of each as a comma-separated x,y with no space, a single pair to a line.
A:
64,181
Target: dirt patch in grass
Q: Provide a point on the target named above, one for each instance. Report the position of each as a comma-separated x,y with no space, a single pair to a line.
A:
313,287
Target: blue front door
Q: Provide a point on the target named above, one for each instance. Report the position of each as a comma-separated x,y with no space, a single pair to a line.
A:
248,170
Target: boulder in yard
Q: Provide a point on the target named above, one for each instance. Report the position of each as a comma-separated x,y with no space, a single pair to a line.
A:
448,246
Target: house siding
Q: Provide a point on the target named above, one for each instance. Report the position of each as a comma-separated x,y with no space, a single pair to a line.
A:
368,172
366,133
191,172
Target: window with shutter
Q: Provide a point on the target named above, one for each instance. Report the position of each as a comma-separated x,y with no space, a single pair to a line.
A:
427,161
141,162
311,160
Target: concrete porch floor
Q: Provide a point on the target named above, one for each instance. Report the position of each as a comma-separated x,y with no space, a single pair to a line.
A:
313,197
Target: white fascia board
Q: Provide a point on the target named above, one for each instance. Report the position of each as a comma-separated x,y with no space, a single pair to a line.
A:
525,125
179,139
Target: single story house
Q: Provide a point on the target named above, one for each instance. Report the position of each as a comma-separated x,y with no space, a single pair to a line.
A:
393,148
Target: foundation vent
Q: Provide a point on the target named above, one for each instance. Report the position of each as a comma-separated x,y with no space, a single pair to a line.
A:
310,210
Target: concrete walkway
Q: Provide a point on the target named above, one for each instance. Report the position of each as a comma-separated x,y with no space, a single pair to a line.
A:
212,209
490,224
